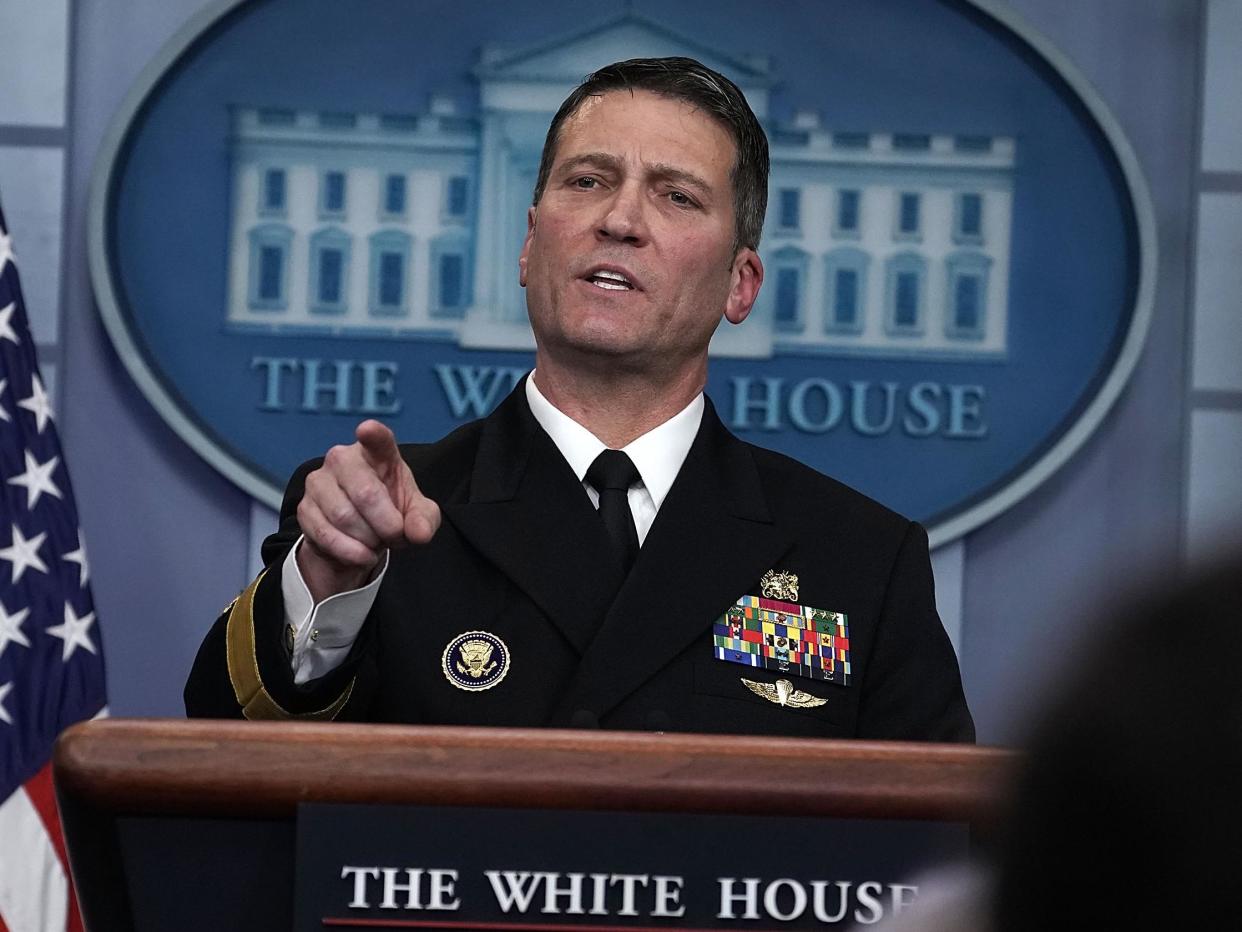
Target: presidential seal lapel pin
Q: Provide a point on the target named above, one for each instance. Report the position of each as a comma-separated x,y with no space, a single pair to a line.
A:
475,660
782,692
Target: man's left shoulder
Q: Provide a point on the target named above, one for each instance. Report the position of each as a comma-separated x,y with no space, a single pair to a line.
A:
796,491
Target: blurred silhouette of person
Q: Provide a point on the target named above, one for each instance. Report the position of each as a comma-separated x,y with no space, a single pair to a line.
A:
1128,814
1127,811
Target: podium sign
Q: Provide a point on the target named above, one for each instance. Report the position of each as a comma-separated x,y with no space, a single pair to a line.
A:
454,868
262,826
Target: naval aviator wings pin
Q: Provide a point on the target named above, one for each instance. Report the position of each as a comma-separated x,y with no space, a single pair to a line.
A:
782,692
772,631
475,660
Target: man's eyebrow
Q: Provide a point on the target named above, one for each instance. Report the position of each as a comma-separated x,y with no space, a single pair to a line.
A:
596,159
682,177
662,170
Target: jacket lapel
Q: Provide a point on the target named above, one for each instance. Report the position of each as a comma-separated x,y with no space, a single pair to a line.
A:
528,514
712,539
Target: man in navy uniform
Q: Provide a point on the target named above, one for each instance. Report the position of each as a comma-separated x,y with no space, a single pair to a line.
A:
570,559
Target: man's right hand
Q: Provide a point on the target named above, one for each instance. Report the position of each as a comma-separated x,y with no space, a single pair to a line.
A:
360,502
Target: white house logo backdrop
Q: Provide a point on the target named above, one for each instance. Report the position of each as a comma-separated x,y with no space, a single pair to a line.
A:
309,212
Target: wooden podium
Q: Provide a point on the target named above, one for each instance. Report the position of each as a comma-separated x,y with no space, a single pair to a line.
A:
160,801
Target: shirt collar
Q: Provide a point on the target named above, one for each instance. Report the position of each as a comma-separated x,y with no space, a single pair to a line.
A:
657,454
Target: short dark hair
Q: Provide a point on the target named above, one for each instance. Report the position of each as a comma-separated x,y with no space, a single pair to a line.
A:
708,90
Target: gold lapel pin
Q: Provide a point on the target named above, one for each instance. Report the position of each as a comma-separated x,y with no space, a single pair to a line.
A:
782,692
782,586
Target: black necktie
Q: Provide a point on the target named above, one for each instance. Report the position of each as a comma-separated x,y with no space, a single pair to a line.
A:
611,475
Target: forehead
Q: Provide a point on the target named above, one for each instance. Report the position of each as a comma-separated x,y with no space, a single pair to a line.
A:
648,127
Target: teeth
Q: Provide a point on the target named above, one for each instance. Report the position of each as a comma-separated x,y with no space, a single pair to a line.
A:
610,286
611,276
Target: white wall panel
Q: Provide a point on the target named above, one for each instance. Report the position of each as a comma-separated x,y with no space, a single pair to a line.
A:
1222,115
1218,294
32,66
31,191
1214,493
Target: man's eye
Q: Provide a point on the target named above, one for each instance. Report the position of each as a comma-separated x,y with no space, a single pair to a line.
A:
681,199
586,183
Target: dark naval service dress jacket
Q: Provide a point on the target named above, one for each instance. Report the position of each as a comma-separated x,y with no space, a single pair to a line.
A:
523,556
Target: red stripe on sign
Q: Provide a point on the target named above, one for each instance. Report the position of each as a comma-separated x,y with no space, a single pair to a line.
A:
3,927
43,796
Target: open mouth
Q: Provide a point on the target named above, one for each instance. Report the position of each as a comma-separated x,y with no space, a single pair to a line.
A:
610,281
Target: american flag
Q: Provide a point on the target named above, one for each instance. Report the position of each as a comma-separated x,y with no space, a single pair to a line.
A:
51,659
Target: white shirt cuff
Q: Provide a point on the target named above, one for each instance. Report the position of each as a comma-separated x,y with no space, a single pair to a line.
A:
323,634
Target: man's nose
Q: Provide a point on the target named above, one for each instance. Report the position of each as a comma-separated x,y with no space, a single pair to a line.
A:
624,218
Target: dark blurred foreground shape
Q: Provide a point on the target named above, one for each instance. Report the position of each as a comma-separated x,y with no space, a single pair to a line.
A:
1129,812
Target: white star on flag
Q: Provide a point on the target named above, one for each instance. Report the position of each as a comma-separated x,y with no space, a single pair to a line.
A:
37,479
11,628
79,557
6,250
73,632
37,403
23,553
4,713
4,412
6,324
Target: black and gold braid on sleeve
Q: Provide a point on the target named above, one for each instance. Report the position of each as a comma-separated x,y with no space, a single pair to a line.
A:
243,662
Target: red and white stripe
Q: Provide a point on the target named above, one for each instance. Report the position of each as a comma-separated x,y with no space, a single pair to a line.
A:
36,894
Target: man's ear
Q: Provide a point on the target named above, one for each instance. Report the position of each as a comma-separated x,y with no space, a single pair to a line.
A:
524,255
746,275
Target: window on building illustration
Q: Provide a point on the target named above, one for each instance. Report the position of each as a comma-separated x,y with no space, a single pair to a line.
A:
966,315
845,298
271,273
847,211
788,268
969,218
394,195
973,144
788,286
966,303
845,277
274,190
451,269
276,116
911,142
906,276
790,207
402,122
338,120
906,305
332,196
908,214
458,196
329,268
391,279
269,267
389,268
851,140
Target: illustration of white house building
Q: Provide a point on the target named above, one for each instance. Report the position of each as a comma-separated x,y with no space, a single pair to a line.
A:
368,224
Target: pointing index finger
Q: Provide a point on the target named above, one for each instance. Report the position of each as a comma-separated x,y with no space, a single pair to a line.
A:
379,445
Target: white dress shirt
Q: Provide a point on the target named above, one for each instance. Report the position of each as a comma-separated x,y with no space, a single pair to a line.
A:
323,634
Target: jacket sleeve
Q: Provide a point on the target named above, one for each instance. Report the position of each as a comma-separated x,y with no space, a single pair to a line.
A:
913,685
244,667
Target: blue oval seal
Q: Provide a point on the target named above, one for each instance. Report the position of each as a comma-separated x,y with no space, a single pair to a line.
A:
475,660
308,212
